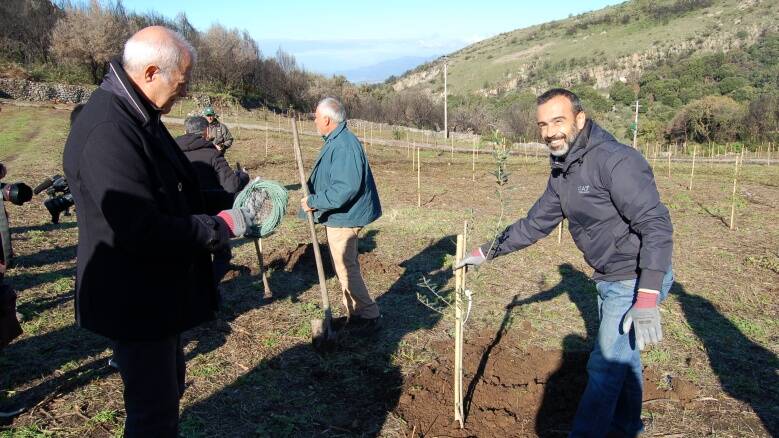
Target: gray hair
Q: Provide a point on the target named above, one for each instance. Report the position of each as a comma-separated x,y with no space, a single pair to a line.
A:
140,51
195,125
332,108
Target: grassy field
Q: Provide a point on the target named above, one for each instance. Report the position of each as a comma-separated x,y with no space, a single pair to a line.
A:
252,371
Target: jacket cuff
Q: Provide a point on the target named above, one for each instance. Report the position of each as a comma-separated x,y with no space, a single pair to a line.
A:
215,235
651,279
485,250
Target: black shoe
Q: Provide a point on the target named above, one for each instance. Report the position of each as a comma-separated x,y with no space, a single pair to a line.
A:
360,325
339,323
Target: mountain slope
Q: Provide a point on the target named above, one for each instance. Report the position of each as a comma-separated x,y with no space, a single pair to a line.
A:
601,47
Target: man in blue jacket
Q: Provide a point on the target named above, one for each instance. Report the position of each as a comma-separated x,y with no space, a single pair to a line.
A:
344,199
607,192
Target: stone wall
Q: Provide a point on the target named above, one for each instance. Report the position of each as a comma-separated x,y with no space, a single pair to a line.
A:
44,92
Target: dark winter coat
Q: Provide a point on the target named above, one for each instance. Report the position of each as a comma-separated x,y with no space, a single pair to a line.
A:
607,192
144,250
213,172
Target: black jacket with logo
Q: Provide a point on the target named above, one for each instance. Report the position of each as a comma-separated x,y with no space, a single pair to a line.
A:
607,192
144,264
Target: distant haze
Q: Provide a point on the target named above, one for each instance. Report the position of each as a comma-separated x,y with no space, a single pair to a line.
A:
380,72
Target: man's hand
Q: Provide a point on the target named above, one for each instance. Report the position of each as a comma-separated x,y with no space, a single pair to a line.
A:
304,205
645,318
476,258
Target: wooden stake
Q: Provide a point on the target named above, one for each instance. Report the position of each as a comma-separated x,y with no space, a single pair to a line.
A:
733,199
560,232
692,171
452,148
654,157
408,145
267,128
458,333
670,152
413,156
419,181
266,293
473,161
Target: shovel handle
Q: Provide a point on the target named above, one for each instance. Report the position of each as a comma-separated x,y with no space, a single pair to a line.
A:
317,253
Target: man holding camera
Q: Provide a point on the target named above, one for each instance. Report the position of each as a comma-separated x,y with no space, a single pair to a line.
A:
144,271
9,319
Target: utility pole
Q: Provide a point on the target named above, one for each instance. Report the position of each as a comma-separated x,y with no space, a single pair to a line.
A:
635,127
446,107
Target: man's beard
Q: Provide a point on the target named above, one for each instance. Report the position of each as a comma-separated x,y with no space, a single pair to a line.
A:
561,148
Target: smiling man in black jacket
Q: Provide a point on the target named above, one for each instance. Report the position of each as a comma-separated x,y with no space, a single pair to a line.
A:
607,192
145,238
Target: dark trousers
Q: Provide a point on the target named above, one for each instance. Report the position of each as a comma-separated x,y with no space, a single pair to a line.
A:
153,377
222,264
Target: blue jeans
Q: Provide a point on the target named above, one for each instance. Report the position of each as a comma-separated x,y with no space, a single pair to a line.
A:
612,400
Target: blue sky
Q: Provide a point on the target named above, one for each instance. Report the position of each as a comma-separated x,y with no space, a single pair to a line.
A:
340,35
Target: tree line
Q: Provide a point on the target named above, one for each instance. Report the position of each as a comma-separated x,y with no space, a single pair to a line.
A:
720,97
72,42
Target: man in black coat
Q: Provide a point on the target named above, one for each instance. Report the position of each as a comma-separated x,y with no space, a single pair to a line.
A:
145,239
213,172
216,178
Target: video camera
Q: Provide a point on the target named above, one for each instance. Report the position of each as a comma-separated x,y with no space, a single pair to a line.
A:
18,193
59,198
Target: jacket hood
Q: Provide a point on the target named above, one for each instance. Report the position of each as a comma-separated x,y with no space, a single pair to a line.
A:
192,142
118,83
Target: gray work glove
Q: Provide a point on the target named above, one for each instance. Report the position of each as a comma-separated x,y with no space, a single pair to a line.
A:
475,259
644,316
237,220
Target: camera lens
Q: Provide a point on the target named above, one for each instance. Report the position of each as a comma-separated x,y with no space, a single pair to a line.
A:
17,193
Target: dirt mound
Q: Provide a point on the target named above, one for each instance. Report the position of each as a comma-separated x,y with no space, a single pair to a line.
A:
509,392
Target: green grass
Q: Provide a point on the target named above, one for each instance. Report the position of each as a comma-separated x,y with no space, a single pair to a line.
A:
256,374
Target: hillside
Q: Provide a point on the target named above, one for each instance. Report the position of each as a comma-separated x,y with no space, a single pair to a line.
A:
601,47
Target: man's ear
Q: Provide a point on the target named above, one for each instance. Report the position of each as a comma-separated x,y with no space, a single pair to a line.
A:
149,72
581,119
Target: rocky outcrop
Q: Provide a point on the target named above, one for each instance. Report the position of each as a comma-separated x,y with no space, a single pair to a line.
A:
21,89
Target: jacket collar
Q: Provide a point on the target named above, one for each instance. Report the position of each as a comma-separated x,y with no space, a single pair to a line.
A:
589,137
335,132
329,138
118,83
194,141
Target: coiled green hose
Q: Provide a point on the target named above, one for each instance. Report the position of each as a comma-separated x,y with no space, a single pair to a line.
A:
273,207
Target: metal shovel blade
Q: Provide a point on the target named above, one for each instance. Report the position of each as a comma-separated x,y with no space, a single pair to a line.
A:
322,334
